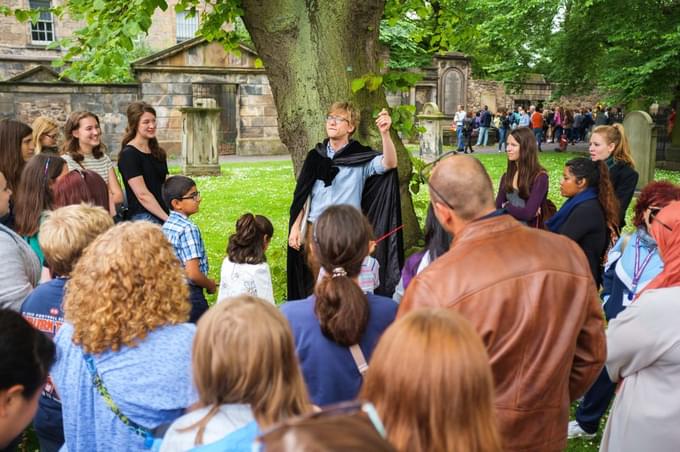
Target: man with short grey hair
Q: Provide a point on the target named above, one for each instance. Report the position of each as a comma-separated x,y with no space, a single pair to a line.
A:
530,296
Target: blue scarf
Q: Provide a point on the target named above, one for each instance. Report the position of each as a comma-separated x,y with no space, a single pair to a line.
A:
555,223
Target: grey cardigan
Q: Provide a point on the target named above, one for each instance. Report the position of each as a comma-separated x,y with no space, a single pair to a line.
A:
19,269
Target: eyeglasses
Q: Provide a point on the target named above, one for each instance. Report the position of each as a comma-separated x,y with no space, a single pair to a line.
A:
653,212
195,196
336,119
426,173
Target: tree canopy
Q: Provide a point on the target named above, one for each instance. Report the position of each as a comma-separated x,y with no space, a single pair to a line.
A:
629,49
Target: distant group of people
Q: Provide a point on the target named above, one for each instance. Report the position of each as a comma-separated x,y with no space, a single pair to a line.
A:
479,341
549,125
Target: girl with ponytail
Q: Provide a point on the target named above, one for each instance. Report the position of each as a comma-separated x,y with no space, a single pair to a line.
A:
337,327
590,214
610,145
245,269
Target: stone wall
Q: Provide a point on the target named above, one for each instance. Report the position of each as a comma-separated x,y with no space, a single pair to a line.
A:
170,89
18,53
27,101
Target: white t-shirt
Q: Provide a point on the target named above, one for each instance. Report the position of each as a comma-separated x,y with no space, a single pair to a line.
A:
228,419
248,279
459,118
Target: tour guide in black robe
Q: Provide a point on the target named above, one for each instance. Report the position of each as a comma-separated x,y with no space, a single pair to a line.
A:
380,201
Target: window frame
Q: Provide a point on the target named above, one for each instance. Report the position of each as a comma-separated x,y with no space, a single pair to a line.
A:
44,26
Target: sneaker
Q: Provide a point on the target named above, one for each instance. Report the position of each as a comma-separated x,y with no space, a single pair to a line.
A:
575,431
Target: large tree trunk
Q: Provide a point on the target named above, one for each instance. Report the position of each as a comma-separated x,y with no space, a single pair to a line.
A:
311,51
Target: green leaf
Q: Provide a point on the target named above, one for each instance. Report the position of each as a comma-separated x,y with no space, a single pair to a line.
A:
358,84
374,82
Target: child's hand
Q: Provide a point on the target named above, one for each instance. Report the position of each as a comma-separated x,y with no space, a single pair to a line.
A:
212,288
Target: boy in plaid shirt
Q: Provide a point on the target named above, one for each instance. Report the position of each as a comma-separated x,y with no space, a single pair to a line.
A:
183,199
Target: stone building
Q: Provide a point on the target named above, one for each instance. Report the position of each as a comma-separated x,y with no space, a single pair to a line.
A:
25,45
449,83
168,80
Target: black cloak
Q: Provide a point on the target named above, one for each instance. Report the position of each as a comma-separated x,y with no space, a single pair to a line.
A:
380,202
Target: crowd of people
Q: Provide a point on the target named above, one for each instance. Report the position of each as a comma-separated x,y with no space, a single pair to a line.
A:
479,341
550,125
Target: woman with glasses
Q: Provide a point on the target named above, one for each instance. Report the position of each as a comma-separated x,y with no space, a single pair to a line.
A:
643,355
590,215
523,189
34,196
84,149
631,264
45,135
143,165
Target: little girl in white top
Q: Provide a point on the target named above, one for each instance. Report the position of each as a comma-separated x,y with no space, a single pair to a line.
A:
245,269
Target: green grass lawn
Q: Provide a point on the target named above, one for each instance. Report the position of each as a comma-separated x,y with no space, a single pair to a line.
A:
266,188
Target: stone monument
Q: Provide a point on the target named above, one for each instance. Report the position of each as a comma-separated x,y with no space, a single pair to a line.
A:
200,150
431,119
641,135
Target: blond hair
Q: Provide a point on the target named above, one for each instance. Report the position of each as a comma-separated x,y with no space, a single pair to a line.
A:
66,232
244,353
127,283
41,126
617,135
352,111
431,382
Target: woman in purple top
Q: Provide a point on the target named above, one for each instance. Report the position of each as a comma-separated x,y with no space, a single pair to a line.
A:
523,189
437,242
339,316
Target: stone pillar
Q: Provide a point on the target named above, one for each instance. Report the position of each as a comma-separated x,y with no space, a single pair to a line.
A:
200,151
641,135
431,139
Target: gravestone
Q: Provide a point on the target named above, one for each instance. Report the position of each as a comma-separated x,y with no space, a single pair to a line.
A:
431,138
641,135
200,145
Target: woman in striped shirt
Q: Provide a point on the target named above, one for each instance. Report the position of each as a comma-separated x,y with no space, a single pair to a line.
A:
83,149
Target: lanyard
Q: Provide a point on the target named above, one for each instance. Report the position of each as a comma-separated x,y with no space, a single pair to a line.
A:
639,268
129,423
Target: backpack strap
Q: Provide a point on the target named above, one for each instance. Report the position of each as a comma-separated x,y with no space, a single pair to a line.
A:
359,359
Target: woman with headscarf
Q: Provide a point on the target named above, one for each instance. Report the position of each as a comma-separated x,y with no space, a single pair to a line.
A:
643,353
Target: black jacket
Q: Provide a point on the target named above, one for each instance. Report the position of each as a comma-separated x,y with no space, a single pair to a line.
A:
380,202
587,226
624,179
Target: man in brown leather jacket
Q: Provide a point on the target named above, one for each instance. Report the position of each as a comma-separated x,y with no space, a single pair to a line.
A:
530,295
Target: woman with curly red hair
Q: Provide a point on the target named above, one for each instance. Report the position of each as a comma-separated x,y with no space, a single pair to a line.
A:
124,352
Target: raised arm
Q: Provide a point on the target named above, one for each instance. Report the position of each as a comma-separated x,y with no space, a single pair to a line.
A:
384,122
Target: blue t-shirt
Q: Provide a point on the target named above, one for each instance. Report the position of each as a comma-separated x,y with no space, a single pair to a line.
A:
43,309
328,368
150,383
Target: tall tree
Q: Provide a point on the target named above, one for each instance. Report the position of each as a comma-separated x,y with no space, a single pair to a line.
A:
311,50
